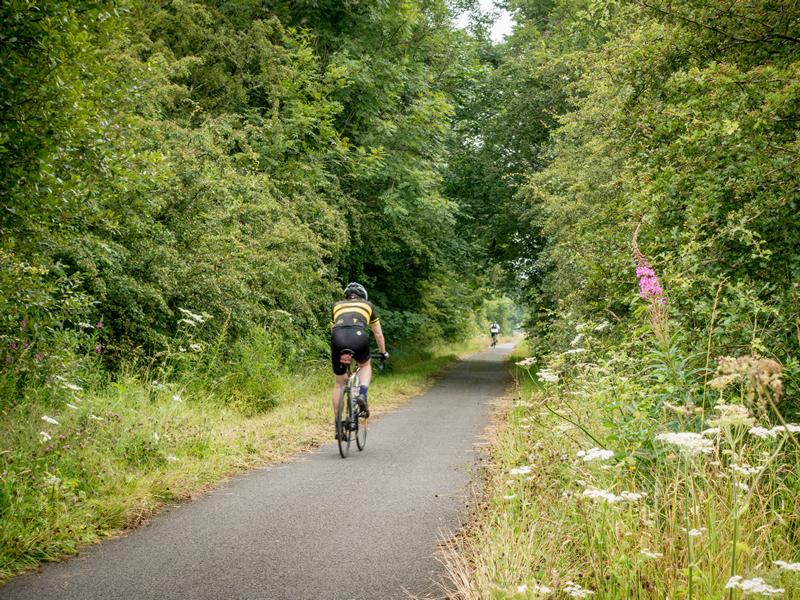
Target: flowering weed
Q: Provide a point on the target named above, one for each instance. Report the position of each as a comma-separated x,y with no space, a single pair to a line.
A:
675,501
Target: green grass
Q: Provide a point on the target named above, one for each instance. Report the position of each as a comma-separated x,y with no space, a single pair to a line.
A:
539,529
125,450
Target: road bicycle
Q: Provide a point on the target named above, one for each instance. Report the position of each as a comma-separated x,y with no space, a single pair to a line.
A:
494,340
351,424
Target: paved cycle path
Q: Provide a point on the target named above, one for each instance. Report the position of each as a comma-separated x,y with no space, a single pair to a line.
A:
320,528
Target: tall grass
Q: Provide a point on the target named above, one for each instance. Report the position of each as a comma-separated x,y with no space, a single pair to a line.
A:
586,496
79,462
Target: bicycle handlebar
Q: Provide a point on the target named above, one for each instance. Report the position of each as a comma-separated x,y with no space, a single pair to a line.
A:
380,356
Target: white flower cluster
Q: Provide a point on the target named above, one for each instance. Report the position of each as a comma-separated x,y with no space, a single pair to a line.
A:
731,415
752,586
190,316
650,553
536,589
693,533
745,469
787,566
548,375
595,454
50,420
691,443
526,362
764,433
523,470
573,590
611,497
67,385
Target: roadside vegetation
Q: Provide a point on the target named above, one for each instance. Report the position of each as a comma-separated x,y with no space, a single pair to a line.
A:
88,463
186,188
600,484
187,185
653,451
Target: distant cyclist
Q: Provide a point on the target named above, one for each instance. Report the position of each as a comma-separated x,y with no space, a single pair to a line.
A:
494,329
349,331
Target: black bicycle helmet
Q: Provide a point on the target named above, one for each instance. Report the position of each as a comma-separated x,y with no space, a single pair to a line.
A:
355,289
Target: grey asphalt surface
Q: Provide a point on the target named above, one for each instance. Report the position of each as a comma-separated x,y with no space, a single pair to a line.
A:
321,527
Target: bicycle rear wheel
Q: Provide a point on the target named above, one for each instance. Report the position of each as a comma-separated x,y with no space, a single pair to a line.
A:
343,424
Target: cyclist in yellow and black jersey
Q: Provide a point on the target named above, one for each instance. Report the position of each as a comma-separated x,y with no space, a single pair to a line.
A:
349,321
354,312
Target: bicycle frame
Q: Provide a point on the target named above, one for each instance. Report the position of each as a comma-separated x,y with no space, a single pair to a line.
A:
353,383
348,426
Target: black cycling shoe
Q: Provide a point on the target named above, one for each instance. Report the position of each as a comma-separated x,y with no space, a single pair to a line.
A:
361,401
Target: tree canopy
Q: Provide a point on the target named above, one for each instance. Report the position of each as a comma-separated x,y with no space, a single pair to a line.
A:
246,159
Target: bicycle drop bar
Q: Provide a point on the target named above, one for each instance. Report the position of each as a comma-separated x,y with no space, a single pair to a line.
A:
380,357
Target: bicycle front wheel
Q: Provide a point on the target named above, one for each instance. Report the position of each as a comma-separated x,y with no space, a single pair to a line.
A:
343,424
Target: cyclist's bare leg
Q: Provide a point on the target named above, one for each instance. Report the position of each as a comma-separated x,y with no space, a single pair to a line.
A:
339,381
365,373
364,377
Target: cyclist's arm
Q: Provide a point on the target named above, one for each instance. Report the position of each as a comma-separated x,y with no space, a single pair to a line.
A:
379,339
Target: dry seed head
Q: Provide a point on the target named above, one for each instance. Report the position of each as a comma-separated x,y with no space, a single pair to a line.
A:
761,378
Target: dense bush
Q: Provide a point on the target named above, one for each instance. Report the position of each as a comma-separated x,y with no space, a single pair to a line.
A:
240,163
680,116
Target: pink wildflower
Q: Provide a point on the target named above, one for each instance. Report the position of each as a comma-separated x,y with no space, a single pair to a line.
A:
649,287
650,290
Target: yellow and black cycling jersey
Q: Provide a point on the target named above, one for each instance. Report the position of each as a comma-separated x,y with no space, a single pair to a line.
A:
353,313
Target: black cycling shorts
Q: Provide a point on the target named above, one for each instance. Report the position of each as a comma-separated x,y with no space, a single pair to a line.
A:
353,338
